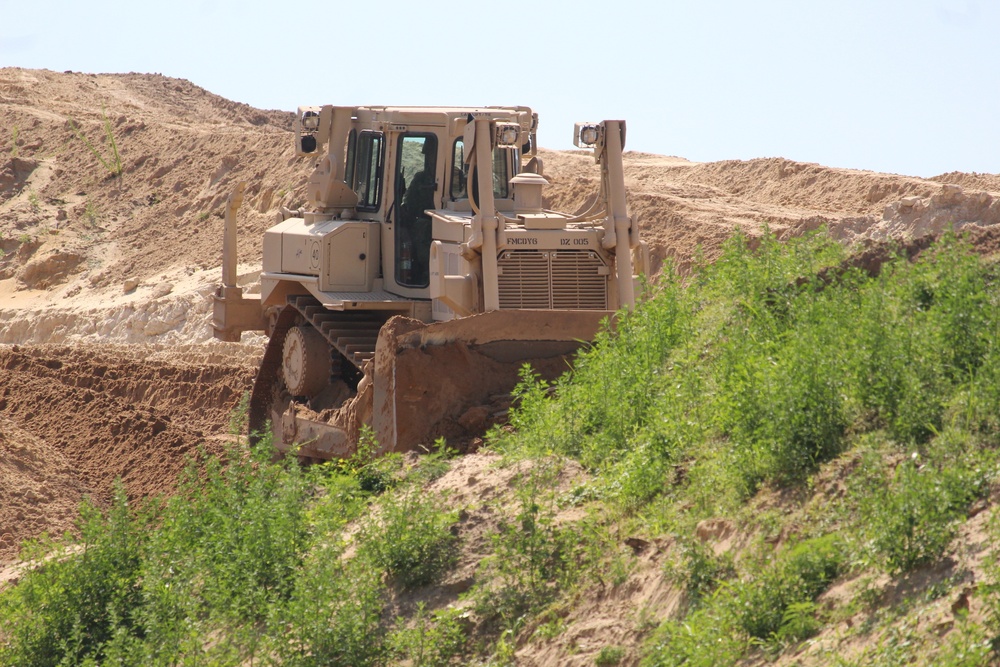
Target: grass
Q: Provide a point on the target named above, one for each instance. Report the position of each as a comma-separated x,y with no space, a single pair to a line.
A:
409,537
91,215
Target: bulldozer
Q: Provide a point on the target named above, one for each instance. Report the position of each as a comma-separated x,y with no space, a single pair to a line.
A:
422,273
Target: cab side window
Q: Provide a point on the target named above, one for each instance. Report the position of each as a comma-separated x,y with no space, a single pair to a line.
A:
503,159
352,146
367,172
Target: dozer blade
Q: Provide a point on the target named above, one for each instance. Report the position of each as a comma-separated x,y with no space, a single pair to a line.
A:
423,379
427,376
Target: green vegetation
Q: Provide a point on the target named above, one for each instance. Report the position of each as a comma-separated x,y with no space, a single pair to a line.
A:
750,378
91,215
843,424
409,537
14,133
609,656
113,162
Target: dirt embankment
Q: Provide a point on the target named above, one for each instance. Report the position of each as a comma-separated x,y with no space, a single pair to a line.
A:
689,208
75,419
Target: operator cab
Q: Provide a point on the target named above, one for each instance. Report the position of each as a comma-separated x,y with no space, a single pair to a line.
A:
428,171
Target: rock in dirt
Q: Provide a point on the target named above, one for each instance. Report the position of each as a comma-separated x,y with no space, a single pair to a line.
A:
51,270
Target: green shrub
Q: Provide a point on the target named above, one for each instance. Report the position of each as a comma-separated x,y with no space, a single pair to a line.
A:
774,603
698,569
409,536
533,558
705,638
431,640
375,473
233,535
333,616
911,516
609,656
761,604
82,597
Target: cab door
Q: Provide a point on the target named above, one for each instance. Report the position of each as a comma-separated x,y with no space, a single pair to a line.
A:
415,190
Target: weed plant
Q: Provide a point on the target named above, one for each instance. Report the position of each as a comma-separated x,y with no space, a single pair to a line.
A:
757,371
773,605
431,640
749,375
534,559
80,599
409,536
113,162
910,514
609,656
248,563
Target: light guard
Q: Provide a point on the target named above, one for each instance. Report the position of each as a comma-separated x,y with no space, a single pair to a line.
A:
587,135
310,120
507,134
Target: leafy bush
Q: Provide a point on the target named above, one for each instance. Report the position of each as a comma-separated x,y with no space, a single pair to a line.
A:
432,640
762,604
609,656
698,569
81,597
533,557
333,616
773,604
410,536
910,517
153,586
375,472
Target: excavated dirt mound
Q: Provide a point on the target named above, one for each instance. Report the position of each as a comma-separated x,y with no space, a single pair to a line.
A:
686,209
75,419
88,259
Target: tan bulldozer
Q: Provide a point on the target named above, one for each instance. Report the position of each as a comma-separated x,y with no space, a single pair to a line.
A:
423,273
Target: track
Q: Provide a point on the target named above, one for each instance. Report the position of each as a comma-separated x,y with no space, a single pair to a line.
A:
351,336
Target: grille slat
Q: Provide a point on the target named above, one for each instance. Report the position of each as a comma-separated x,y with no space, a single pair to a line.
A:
559,280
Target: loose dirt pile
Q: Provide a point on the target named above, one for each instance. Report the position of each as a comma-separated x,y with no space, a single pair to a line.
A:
75,419
91,258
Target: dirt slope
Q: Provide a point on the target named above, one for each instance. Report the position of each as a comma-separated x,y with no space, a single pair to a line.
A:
91,259
77,418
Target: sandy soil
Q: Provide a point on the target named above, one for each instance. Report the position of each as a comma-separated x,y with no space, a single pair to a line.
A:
107,367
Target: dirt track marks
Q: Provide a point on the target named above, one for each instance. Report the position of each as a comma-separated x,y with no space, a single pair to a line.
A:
111,415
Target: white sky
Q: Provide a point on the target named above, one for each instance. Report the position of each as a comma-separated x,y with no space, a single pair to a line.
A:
903,86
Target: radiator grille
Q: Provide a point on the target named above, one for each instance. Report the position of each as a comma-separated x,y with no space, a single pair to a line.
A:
552,280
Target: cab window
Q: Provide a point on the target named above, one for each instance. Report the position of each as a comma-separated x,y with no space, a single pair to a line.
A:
352,145
370,149
415,184
503,159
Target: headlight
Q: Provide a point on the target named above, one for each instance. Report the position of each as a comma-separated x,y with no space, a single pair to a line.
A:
310,120
507,134
586,135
